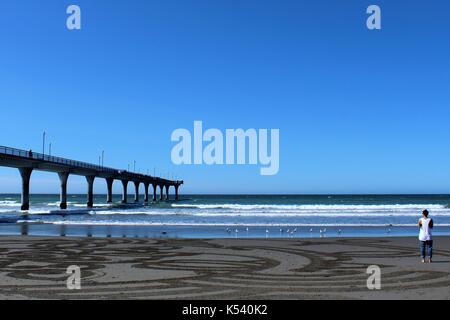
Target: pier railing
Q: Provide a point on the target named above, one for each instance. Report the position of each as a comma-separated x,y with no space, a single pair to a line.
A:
56,160
76,164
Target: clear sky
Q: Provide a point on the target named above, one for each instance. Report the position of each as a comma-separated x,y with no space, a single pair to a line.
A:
359,111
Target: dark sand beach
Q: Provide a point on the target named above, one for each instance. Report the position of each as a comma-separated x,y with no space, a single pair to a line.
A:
125,268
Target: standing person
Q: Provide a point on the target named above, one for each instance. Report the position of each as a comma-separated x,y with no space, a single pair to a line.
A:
426,241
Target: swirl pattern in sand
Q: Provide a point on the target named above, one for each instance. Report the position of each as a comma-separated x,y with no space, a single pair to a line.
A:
219,269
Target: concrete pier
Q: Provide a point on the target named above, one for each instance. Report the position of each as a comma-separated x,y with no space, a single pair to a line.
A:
109,184
27,161
146,186
155,189
125,191
25,173
90,192
167,192
136,191
63,177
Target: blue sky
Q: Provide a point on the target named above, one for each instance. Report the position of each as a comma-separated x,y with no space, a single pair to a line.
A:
359,111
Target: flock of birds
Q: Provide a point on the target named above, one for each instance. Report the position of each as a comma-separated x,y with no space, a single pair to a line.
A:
288,232
293,230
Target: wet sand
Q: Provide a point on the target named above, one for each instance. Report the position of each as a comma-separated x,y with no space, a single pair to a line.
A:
333,268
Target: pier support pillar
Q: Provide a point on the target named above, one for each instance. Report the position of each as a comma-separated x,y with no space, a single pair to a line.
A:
136,191
125,191
146,186
161,187
176,191
63,177
109,196
90,192
167,192
155,187
26,175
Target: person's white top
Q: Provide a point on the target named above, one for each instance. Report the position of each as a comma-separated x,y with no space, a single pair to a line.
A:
425,230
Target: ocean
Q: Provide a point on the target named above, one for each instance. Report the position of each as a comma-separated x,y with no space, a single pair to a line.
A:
227,216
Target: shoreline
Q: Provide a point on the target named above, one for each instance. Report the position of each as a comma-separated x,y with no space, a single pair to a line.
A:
225,231
34,267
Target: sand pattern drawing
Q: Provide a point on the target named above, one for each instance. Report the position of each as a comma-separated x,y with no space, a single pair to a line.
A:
138,268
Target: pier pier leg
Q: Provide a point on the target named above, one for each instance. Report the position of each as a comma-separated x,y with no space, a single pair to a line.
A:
136,192
155,187
125,191
146,186
167,192
26,175
90,193
176,191
63,177
161,187
109,183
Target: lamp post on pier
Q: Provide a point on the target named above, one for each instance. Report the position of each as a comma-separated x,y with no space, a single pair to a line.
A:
43,145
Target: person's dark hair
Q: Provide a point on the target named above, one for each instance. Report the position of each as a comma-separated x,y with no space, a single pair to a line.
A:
425,212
